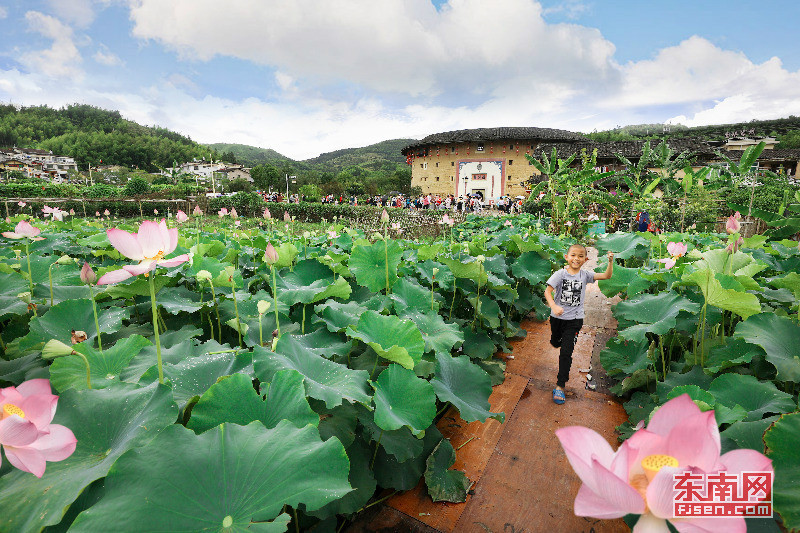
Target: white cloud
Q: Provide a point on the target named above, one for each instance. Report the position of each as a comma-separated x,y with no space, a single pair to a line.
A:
107,58
77,13
3,12
402,46
62,58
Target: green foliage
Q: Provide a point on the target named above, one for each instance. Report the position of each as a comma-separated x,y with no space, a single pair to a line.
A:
102,190
248,204
240,185
137,186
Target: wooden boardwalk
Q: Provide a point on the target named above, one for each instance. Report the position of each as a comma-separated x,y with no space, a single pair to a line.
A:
522,479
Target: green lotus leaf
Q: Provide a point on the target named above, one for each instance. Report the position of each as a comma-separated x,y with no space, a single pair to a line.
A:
12,284
248,474
471,270
409,295
759,398
403,399
729,415
741,303
138,286
790,281
527,245
176,345
624,246
466,386
391,337
439,336
23,368
391,473
478,345
179,299
59,321
639,378
400,443
654,313
488,310
321,342
734,352
287,252
234,399
497,273
194,375
532,267
445,485
625,280
106,366
310,281
779,337
429,251
720,261
339,422
625,357
781,440
337,316
106,423
697,394
360,478
368,263
324,380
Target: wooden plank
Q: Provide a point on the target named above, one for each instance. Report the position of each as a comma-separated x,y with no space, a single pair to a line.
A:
479,442
528,484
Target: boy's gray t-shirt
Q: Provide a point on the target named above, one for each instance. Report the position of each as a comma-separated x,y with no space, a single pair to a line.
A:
570,292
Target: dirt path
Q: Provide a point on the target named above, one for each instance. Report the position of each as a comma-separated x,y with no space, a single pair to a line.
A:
522,479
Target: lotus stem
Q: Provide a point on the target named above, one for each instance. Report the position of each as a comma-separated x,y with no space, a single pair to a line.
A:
236,309
30,273
275,299
303,323
50,277
375,453
453,303
155,325
260,331
216,311
96,322
386,253
296,523
88,369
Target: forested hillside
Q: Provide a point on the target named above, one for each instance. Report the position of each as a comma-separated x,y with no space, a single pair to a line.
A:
786,130
91,135
246,155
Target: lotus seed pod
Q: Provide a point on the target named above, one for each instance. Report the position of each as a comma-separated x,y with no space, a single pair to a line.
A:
55,348
64,260
204,275
263,306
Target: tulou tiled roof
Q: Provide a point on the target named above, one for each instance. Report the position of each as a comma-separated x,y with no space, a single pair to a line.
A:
498,134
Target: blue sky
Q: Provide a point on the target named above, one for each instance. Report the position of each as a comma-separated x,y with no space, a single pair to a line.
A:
312,76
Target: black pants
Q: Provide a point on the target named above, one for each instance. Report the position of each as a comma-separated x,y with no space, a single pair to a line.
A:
564,335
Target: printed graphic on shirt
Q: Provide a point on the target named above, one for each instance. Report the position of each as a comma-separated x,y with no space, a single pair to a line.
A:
571,292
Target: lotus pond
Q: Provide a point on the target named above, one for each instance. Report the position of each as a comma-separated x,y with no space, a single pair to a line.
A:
229,378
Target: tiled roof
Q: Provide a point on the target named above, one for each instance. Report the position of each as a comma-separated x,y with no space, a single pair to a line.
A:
497,134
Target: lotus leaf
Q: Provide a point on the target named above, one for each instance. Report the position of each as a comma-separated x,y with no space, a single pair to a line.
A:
324,380
409,295
403,399
368,263
391,337
626,357
654,313
234,399
779,337
249,473
759,398
106,423
741,303
781,440
531,267
624,245
391,473
445,485
466,386
400,443
310,281
337,316
439,336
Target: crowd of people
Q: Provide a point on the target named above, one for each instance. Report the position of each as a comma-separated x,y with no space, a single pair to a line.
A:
471,203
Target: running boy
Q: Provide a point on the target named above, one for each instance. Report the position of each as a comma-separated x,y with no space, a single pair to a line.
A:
566,305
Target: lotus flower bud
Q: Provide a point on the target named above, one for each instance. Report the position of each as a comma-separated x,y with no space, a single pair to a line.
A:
55,348
480,259
64,260
234,214
732,226
204,275
197,211
263,306
181,217
87,274
270,255
384,216
106,212
286,216
267,214
306,234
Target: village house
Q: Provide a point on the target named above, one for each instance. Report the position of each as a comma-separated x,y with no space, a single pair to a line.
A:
491,162
36,163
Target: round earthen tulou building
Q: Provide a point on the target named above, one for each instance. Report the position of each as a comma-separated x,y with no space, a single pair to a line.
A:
489,162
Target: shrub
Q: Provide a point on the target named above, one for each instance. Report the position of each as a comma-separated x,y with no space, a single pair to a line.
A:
101,190
240,185
137,186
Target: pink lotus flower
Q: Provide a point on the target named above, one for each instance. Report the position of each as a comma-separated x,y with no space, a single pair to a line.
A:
508,223
106,212
233,213
149,246
267,214
732,226
332,234
181,217
270,254
286,216
97,213
155,211
222,212
675,250
87,274
26,433
447,220
384,216
396,227
237,223
22,204
24,230
638,477
197,211
72,212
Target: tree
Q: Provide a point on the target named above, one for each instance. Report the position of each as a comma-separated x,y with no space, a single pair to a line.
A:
266,176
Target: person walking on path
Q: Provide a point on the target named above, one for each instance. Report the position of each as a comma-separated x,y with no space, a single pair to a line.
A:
565,294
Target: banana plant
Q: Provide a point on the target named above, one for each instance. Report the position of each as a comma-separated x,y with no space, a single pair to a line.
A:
740,171
690,180
670,162
640,180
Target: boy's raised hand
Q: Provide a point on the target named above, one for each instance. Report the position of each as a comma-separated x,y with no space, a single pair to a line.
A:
558,310
610,256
